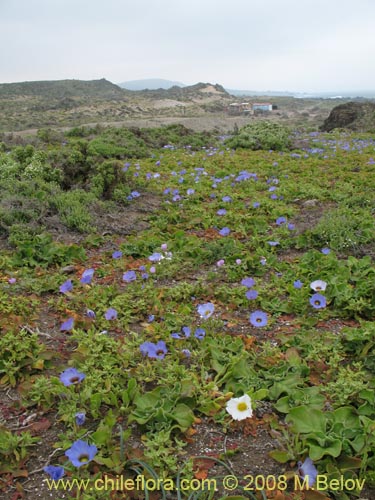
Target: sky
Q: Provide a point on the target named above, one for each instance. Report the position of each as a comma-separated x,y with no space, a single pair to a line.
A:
295,45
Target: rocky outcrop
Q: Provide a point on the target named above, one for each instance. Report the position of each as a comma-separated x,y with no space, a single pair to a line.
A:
356,116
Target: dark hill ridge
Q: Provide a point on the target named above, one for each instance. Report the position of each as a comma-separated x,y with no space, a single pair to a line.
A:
59,89
356,116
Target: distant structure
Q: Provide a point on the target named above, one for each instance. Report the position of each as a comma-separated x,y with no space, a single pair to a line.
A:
239,108
262,106
247,108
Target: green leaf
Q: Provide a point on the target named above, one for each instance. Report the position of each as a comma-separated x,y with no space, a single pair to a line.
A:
306,420
280,456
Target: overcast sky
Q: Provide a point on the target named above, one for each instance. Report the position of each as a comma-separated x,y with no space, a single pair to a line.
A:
300,45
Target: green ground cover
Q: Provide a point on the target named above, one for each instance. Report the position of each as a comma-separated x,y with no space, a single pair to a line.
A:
254,276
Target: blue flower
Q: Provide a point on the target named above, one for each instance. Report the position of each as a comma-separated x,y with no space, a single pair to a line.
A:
156,351
256,204
110,314
90,314
117,254
308,469
71,376
200,333
248,282
129,276
186,353
298,284
80,418
155,257
151,318
280,221
325,251
318,301
258,319
273,243
66,287
291,226
205,310
87,276
67,325
54,472
135,194
225,231
81,453
226,199
251,294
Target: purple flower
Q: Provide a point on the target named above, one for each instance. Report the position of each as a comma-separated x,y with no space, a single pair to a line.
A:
221,211
273,243
308,469
80,418
110,314
155,257
291,227
90,314
71,376
251,294
117,254
144,276
318,301
225,231
263,261
54,472
258,319
129,276
155,351
298,284
199,333
205,310
186,331
280,221
152,269
11,281
67,325
87,276
135,194
226,199
66,287
273,196
248,282
325,251
81,453
151,318
256,204
186,353
190,191
220,263
164,247
238,261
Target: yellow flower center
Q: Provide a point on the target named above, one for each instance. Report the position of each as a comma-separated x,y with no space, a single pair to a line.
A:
84,458
242,406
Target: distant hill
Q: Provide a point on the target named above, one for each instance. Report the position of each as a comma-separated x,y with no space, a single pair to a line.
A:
150,84
62,89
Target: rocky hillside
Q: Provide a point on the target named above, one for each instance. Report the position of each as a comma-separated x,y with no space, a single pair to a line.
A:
357,116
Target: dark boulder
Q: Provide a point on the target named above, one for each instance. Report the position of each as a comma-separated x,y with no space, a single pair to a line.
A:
356,116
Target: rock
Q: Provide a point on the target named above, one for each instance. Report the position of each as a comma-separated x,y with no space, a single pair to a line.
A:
310,203
356,116
68,269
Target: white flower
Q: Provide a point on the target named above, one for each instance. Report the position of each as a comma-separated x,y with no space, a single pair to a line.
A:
240,408
318,285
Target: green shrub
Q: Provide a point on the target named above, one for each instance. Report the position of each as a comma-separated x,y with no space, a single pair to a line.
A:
72,207
117,143
261,135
